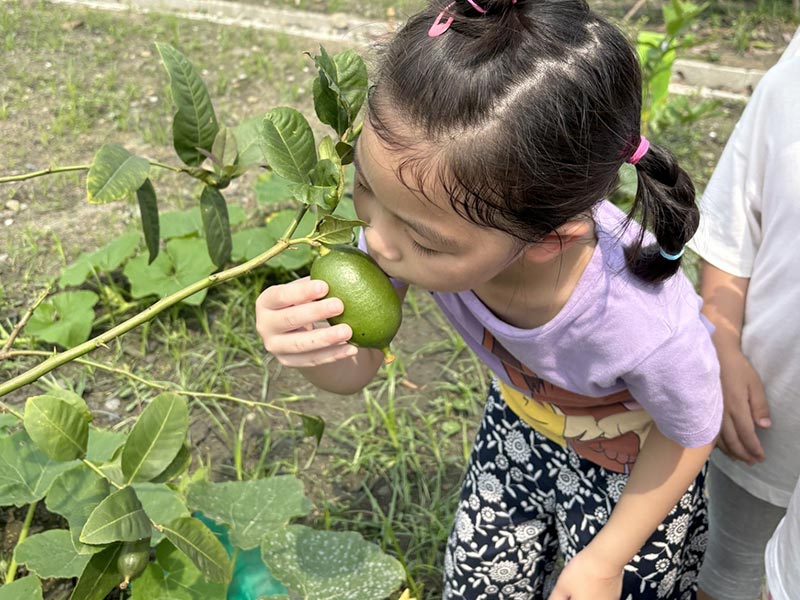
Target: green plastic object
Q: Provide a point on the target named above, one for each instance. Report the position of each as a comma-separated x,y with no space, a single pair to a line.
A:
251,577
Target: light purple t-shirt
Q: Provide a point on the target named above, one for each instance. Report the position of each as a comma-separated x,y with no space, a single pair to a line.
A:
619,345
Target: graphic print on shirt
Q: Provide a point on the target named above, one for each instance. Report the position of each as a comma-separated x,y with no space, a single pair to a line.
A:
601,429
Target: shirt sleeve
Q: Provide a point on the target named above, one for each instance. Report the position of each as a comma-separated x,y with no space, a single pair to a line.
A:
678,384
730,216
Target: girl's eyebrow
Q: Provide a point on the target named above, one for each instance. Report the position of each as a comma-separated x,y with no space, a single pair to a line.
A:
419,227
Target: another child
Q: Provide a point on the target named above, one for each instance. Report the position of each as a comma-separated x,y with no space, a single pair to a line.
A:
494,131
782,557
751,288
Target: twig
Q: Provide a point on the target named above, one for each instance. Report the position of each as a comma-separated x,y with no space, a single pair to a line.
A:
22,322
11,573
634,9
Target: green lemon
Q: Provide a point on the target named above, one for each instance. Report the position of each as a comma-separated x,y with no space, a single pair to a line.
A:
371,304
132,560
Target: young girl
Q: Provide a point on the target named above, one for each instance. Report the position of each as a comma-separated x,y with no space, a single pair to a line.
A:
494,131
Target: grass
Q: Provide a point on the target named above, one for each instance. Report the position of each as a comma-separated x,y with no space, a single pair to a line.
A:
390,462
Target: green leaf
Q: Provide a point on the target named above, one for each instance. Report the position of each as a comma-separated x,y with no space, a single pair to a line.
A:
7,422
271,188
156,438
58,427
313,426
74,494
51,554
26,472
345,152
115,174
183,223
340,88
250,508
174,577
288,144
148,208
65,318
161,503
99,577
335,230
120,517
248,140
176,468
330,564
225,149
104,260
193,538
25,588
183,262
195,124
324,190
214,211
103,443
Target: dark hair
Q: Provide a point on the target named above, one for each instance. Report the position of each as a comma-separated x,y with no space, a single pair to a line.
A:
533,105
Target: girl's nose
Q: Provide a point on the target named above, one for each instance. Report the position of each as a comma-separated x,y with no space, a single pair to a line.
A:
380,244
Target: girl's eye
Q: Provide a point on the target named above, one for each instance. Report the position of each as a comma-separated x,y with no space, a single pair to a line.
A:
359,185
422,249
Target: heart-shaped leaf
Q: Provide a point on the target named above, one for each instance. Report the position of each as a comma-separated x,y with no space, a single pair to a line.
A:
156,438
183,262
65,318
25,588
104,260
26,472
333,565
115,174
250,508
51,554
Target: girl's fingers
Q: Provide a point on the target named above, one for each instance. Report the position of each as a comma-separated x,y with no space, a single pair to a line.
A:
301,291
302,317
318,357
304,342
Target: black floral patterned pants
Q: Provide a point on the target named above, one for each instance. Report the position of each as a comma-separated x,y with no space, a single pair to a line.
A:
527,503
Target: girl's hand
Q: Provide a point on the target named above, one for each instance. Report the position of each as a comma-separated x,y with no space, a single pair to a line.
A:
291,321
745,407
588,577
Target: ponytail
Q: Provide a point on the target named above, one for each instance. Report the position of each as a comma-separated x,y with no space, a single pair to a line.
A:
665,205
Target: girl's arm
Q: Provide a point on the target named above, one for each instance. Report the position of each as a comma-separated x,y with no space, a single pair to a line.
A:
664,470
743,394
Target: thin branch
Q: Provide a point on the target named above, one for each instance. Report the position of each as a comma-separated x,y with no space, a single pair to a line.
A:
43,172
149,313
22,322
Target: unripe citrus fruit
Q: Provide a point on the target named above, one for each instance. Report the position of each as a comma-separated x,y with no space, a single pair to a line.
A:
132,560
371,304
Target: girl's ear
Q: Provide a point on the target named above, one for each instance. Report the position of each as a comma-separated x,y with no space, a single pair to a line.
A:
558,241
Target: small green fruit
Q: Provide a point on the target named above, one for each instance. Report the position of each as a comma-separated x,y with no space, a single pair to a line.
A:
371,304
132,560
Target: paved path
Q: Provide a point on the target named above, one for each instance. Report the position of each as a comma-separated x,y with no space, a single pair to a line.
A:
689,78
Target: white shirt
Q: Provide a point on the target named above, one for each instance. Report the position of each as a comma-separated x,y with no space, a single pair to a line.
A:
782,558
750,227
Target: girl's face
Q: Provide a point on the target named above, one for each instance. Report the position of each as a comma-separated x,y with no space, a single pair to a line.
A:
423,240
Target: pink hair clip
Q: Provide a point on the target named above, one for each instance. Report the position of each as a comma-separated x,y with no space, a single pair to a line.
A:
442,23
640,151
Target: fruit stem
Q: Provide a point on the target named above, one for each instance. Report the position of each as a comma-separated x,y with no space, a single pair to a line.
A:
388,357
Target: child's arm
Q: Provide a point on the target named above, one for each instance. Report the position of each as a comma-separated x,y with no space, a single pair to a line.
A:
744,399
290,319
663,472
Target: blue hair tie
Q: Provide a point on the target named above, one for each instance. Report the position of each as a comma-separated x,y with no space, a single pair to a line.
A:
669,256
